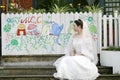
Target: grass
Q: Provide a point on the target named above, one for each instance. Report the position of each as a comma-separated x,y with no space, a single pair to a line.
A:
112,48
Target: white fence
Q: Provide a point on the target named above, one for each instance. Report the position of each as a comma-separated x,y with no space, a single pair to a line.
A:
25,34
109,30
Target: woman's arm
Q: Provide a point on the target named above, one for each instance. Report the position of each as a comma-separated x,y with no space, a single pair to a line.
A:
86,52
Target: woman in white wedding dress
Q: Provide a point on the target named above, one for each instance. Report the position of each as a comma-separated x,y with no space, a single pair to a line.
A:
79,61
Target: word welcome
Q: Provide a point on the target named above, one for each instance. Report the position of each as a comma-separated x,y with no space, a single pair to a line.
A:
31,19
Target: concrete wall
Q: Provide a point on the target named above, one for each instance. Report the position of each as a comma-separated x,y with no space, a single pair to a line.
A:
111,58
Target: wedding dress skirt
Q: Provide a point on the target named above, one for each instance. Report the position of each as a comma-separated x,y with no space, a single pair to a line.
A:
78,67
75,68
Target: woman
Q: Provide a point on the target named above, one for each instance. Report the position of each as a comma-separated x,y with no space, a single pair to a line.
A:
78,63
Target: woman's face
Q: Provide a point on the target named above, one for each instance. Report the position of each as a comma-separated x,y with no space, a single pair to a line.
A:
77,28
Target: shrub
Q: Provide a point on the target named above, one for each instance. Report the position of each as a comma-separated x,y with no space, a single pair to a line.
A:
112,48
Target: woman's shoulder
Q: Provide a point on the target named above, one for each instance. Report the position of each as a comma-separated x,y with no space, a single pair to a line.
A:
74,35
77,36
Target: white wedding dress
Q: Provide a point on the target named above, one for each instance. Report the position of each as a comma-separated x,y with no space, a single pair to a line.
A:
78,63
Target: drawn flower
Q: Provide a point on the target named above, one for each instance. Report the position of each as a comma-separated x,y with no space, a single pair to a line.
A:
93,28
7,28
14,42
90,19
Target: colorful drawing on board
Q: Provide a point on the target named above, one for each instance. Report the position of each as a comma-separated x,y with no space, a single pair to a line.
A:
14,42
32,30
90,19
70,29
7,28
92,28
46,28
39,34
21,30
56,30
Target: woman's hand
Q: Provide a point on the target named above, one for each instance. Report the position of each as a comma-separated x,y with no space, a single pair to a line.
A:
73,53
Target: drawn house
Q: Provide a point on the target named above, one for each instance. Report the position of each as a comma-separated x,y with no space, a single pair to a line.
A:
21,30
